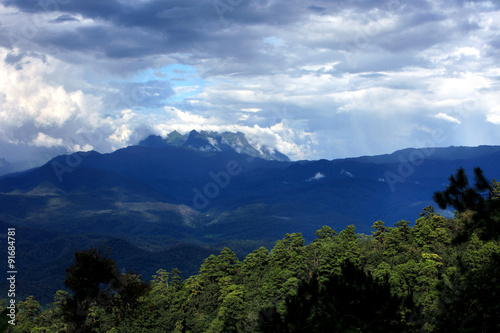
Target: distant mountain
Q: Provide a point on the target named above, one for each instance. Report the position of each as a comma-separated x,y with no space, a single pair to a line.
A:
215,142
7,167
431,153
197,192
204,186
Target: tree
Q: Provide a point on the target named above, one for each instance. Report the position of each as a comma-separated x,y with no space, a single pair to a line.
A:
124,302
92,278
404,229
481,198
474,304
462,196
347,302
431,229
379,228
350,242
29,310
216,267
325,234
232,308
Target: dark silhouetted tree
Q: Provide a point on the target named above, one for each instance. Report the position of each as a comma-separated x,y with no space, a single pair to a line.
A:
481,198
93,278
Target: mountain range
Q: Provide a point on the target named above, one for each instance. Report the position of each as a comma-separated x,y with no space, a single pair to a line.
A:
169,202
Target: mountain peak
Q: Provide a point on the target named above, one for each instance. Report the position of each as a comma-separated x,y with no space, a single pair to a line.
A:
153,141
213,141
199,141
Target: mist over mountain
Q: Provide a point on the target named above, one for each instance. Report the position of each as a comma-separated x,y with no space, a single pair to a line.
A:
200,191
215,142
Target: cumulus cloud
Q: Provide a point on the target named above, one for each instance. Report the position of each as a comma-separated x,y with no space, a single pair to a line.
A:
43,140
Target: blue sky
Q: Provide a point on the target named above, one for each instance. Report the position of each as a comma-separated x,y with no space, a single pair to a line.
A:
314,79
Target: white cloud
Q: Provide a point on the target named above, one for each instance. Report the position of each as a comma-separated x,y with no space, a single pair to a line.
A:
445,117
43,140
494,115
317,176
494,118
37,110
297,144
347,173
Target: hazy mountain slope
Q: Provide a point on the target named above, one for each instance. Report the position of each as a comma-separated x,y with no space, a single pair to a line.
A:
438,153
43,257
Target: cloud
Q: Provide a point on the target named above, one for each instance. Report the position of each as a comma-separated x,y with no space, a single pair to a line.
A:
64,18
448,118
317,176
314,80
37,112
43,140
494,115
288,140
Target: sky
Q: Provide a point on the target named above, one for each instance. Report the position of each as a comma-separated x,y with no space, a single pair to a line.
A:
312,78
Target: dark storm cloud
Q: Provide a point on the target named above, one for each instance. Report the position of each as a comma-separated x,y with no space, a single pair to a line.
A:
229,34
316,8
175,26
65,18
186,24
109,42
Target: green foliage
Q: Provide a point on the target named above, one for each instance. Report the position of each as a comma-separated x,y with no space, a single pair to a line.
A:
401,278
474,303
347,302
28,311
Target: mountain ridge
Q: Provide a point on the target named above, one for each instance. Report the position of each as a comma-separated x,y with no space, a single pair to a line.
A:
439,153
219,181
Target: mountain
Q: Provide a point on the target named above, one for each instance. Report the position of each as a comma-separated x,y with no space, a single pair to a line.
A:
215,142
430,153
184,196
206,189
201,181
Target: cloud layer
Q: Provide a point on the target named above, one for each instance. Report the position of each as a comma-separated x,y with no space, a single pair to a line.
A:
314,79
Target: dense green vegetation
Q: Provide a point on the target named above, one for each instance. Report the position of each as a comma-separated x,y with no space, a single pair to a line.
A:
438,275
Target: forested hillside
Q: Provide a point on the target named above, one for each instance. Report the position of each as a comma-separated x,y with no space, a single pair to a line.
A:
440,275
